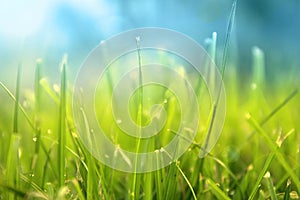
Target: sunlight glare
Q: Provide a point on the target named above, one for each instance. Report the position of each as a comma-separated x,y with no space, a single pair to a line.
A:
22,18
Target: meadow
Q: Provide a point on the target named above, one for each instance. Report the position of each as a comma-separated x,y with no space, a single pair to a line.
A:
256,157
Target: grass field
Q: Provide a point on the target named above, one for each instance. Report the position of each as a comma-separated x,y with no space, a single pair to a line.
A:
256,157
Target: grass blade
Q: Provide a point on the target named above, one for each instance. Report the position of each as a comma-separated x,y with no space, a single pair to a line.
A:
37,94
13,158
78,189
62,124
261,175
186,180
228,36
31,124
171,182
216,190
276,110
16,110
287,191
224,63
135,189
45,85
273,146
270,186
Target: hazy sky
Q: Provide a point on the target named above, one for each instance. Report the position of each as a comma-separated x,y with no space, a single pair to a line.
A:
48,29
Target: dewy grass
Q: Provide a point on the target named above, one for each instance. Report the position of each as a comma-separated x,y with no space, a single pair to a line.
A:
87,178
38,163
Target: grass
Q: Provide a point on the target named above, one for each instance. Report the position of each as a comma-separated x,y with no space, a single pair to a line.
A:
57,166
257,156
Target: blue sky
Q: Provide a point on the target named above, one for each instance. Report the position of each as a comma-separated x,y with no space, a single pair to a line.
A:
47,29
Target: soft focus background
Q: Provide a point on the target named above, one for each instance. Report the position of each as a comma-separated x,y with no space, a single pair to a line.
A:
48,29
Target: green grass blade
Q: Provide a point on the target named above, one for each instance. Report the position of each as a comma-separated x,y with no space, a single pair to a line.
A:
135,188
13,164
45,85
186,180
216,190
48,162
228,36
276,110
16,110
231,174
62,124
224,63
37,88
270,186
261,175
258,67
13,158
171,182
32,184
19,105
273,146
148,186
37,94
78,189
287,191
158,178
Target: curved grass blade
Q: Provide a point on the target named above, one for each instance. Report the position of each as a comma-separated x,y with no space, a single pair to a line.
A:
186,180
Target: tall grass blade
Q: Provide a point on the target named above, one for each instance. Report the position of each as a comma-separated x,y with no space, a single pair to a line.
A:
228,36
16,110
62,123
13,158
135,190
224,63
37,120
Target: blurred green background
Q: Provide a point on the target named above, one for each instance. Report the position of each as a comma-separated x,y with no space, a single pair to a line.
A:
48,29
